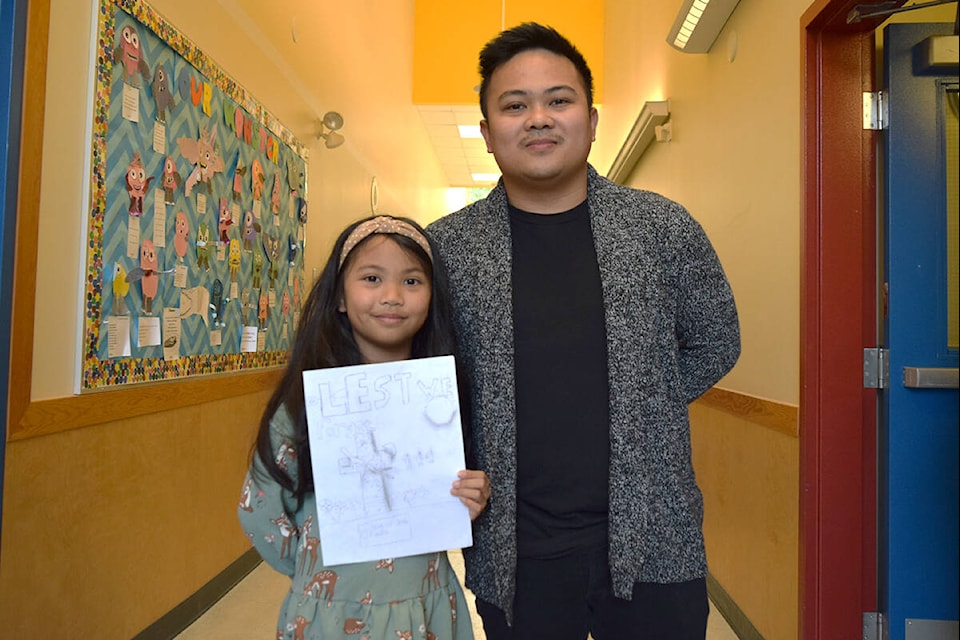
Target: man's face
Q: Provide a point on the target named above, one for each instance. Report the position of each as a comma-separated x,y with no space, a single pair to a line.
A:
539,126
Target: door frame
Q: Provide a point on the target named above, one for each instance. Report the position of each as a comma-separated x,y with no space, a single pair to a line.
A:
838,319
13,27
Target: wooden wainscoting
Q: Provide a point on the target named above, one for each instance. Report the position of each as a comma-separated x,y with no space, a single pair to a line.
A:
746,455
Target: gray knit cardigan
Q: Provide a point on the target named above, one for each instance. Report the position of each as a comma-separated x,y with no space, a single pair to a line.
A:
672,333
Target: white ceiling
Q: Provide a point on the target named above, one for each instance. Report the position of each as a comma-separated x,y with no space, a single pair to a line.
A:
459,157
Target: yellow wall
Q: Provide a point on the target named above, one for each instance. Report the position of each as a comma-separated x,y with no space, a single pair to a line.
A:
734,162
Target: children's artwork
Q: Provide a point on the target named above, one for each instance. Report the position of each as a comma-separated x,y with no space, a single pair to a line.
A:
271,248
257,180
170,180
181,239
128,54
386,445
174,141
121,286
162,94
137,183
203,247
203,154
148,273
249,231
224,222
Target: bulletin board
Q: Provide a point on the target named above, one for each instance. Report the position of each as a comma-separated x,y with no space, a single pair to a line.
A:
198,203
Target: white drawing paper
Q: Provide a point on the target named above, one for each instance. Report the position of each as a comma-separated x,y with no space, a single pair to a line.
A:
386,445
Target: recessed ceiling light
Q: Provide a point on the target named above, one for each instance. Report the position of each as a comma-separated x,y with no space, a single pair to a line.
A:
469,130
485,177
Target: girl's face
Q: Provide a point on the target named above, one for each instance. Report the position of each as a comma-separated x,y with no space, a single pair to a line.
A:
386,296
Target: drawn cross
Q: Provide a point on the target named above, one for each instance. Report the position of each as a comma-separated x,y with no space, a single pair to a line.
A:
380,464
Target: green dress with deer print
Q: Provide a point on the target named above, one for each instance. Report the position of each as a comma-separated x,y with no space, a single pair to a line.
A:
417,597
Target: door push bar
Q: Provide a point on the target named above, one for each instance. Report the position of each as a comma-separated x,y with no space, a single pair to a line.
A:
930,378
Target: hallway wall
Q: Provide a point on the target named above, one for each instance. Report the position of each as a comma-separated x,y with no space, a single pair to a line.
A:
734,162
108,526
110,521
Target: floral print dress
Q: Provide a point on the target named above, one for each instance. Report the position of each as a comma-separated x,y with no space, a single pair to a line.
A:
417,597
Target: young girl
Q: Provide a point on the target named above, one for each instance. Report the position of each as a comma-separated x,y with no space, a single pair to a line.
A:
381,297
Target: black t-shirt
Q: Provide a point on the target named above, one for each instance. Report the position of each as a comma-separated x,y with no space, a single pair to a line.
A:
563,441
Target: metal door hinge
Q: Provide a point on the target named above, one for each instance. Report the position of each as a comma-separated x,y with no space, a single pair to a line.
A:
873,626
876,368
875,115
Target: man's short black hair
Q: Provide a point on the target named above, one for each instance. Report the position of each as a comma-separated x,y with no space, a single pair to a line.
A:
524,37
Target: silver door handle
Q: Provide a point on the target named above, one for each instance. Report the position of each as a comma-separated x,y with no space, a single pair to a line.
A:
930,378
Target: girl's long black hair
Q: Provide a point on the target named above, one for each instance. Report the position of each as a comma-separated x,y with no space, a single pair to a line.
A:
324,338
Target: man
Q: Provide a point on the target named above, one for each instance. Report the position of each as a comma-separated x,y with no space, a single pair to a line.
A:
589,316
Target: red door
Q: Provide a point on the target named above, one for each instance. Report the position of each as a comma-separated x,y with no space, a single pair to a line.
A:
838,321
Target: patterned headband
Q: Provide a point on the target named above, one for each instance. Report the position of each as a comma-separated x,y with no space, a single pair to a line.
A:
383,224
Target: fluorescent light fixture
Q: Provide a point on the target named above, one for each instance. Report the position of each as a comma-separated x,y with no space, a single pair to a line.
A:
652,115
456,198
698,24
485,177
469,130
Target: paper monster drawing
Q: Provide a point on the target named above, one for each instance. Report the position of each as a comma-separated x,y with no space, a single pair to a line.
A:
238,174
129,55
295,177
216,303
293,248
169,180
181,235
248,231
147,274
162,93
271,247
257,179
302,212
225,221
120,289
275,194
203,155
233,260
137,183
263,310
257,268
203,246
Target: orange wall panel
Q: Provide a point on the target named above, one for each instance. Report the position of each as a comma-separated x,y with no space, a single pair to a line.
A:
109,527
748,474
579,22
448,38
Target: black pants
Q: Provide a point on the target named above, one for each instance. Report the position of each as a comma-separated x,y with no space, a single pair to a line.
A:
566,598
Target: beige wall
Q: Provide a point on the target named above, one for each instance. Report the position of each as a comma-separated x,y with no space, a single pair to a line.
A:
734,162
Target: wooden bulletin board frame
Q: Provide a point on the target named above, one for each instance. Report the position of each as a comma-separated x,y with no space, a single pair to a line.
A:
160,104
